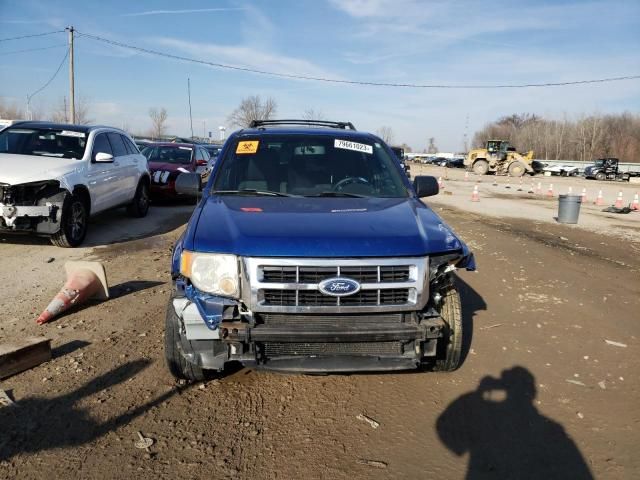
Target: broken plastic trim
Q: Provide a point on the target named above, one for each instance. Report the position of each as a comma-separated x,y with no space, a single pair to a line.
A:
210,307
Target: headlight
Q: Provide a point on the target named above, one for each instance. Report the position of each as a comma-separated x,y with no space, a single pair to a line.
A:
211,272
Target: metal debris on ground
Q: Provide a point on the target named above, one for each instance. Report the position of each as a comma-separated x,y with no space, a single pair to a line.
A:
602,385
372,463
575,382
369,420
144,442
5,401
491,326
616,344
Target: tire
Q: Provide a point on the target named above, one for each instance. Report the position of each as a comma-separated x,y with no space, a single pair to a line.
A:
139,207
179,367
73,223
449,349
481,167
517,169
601,176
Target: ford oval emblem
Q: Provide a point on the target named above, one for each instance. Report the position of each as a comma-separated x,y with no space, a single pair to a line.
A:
339,287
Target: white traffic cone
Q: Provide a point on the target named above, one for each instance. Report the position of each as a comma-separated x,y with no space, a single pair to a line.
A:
539,189
520,185
84,280
599,200
636,202
618,203
440,183
570,191
583,196
550,191
475,196
466,176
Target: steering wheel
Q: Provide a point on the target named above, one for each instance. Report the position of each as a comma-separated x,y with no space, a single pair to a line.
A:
338,187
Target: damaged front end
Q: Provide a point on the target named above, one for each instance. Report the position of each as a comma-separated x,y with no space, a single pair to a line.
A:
31,207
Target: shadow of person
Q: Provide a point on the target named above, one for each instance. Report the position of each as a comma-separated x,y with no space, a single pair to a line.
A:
505,435
37,424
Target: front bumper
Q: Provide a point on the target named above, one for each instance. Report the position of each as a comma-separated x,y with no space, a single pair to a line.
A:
306,343
41,219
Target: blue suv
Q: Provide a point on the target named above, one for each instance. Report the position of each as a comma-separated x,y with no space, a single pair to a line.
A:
311,251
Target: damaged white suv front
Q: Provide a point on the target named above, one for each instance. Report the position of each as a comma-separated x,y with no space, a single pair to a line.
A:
53,177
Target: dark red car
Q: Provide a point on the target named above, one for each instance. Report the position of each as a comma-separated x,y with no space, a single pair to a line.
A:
168,160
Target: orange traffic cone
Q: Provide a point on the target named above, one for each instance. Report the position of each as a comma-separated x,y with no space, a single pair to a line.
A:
475,196
466,176
570,191
440,183
550,191
532,189
618,203
636,202
599,199
84,280
583,196
539,189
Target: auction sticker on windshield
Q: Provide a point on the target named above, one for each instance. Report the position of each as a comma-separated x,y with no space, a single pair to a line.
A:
250,146
71,133
356,147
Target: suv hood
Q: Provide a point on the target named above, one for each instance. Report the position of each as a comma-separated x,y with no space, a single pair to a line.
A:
319,227
17,169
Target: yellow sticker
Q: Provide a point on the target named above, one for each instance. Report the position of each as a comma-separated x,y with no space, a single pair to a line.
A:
250,146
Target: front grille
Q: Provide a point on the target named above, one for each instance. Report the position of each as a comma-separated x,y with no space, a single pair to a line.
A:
354,319
361,274
293,285
273,349
315,298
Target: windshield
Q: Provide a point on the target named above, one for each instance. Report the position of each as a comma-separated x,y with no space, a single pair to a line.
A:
310,165
168,154
45,142
599,163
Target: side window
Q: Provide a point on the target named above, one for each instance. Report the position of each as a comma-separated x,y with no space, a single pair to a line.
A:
199,155
205,153
119,150
131,148
101,144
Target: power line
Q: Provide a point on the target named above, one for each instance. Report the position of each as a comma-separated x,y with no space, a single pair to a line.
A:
51,79
351,82
33,49
30,36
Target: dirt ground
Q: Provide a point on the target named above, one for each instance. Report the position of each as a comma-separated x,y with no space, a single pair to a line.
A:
541,393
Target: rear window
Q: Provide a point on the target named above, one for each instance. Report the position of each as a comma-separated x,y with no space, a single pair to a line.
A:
168,154
310,165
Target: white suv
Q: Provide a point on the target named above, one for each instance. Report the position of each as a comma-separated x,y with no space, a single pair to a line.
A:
53,177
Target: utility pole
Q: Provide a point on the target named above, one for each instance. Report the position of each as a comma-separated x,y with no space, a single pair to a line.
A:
190,116
72,97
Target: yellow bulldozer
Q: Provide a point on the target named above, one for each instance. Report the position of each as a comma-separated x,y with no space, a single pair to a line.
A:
499,157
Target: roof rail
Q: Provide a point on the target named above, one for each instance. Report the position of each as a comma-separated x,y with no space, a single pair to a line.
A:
311,123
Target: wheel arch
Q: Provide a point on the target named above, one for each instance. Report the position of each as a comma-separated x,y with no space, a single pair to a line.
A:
82,192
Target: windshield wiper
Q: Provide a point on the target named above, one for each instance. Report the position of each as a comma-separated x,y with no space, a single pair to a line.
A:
336,194
250,191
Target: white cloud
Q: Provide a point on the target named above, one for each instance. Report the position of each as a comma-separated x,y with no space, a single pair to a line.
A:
177,12
245,57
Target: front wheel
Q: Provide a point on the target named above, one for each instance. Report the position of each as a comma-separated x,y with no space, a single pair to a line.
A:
73,223
481,167
449,349
517,169
600,176
179,367
139,207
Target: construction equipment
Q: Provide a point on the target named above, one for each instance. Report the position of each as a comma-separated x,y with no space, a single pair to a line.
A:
499,157
608,169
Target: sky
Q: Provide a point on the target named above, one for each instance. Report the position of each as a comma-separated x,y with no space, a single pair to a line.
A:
453,42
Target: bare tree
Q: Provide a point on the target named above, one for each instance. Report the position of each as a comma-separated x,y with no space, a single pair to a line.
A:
159,121
61,114
311,114
10,111
432,148
385,133
252,108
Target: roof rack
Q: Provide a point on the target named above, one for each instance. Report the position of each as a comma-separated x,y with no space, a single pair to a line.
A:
316,123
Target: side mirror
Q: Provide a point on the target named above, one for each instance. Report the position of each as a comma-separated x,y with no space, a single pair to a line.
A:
103,157
189,184
425,186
